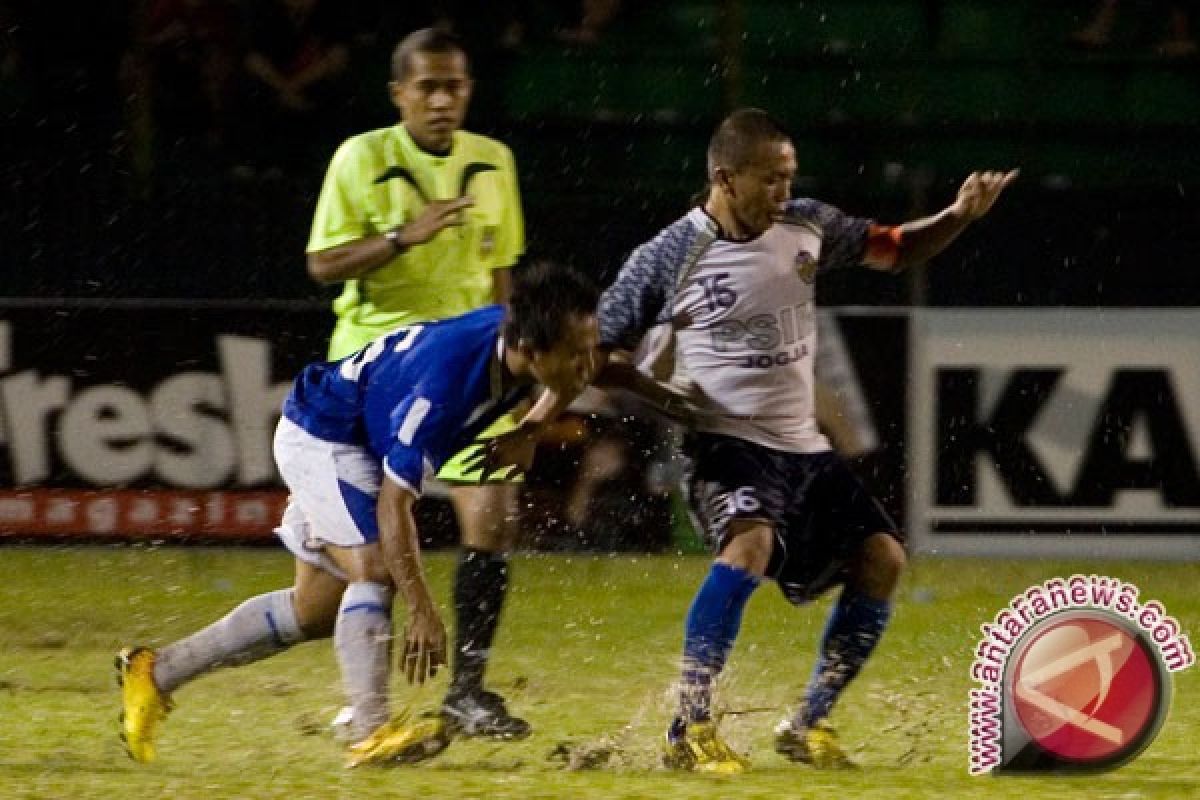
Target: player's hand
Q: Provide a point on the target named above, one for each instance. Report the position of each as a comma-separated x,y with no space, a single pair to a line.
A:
435,217
505,456
424,645
677,403
980,190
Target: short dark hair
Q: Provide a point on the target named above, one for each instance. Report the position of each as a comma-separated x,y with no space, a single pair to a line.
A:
737,139
425,40
544,296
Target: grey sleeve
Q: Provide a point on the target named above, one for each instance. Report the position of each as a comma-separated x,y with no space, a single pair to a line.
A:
844,238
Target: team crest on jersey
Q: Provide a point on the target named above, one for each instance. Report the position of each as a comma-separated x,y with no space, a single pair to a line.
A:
806,266
487,242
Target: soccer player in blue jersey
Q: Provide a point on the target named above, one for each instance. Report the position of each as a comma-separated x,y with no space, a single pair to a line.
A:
355,441
392,222
735,279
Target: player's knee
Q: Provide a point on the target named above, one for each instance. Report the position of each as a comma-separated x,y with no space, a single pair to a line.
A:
493,538
883,561
749,546
487,518
316,612
367,570
494,530
317,627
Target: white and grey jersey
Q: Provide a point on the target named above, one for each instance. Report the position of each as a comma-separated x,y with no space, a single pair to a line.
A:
743,316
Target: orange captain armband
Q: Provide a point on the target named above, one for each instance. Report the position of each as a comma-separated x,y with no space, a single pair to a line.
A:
883,245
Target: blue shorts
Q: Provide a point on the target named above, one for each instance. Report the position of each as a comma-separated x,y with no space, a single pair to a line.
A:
820,510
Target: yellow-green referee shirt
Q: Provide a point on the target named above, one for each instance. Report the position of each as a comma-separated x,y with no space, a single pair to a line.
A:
380,179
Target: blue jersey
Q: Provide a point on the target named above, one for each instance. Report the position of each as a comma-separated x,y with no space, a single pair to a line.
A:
413,397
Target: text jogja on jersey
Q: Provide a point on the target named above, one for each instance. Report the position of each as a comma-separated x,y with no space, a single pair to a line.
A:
776,331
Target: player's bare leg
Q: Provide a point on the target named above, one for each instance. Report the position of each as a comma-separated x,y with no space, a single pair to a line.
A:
317,597
877,571
853,630
487,519
750,546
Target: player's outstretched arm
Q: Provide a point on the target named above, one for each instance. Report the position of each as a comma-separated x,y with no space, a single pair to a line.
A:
424,636
922,239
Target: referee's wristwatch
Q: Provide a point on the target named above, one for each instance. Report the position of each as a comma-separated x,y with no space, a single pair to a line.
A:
393,236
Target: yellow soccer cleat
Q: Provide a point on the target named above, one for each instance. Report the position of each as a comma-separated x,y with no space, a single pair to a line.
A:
700,749
143,706
817,745
401,742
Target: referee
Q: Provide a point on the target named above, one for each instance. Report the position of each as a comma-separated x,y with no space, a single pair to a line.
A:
420,221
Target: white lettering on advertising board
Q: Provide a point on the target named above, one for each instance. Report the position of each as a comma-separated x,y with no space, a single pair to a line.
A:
192,430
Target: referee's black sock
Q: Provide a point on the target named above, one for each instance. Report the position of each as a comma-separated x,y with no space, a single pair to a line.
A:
480,584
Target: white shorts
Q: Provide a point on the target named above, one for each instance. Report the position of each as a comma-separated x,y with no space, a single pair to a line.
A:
334,490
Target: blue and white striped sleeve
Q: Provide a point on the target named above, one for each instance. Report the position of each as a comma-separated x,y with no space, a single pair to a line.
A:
420,439
640,297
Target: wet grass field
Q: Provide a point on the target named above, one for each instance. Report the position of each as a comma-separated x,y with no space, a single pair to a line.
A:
587,653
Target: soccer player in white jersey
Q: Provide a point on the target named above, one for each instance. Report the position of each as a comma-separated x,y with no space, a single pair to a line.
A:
735,279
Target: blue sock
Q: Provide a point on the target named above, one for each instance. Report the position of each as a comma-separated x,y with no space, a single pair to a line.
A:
851,633
712,626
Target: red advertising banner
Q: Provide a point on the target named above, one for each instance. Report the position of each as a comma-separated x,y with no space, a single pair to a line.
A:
140,514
